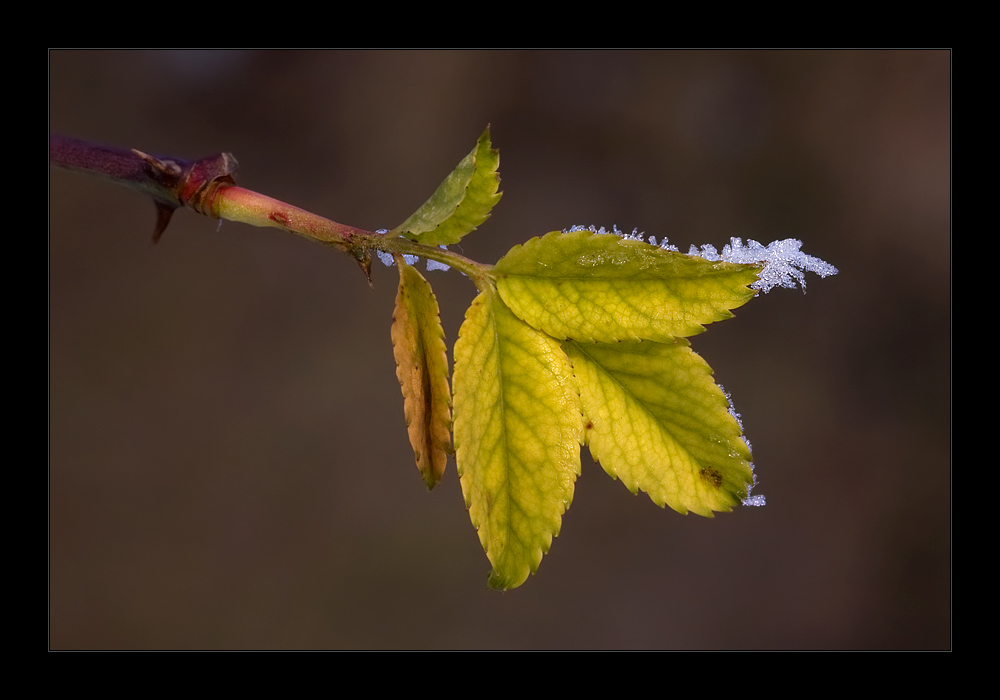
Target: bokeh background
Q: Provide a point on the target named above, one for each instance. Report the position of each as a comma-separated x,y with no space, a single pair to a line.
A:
229,466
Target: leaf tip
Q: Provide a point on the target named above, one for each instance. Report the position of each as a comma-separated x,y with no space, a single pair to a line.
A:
431,479
502,582
496,582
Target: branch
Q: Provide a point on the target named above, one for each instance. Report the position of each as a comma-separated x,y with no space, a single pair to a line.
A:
208,186
170,182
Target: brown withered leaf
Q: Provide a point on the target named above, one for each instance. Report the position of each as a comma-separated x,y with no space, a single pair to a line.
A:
422,370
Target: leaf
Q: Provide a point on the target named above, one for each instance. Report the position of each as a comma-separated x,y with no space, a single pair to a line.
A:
461,203
422,370
657,420
601,287
517,436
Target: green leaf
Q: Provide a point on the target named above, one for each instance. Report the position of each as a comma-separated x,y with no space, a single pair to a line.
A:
422,370
461,203
601,287
657,420
517,436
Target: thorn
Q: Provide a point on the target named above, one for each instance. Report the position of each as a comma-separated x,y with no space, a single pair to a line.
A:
365,263
167,168
163,213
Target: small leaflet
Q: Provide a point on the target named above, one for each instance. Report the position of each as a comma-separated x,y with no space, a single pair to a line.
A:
461,203
422,369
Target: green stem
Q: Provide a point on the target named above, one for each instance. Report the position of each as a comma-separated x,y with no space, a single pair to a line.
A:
478,272
238,204
246,206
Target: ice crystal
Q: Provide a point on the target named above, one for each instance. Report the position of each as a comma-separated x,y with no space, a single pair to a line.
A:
749,500
636,235
707,251
435,265
785,264
389,261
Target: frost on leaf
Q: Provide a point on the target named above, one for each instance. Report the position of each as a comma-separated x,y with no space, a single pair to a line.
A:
587,286
757,500
785,264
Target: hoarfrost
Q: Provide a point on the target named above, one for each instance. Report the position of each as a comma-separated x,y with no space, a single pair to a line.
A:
636,235
435,265
707,251
388,260
785,264
757,500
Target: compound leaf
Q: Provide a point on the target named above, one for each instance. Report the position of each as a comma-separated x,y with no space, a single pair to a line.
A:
518,430
656,419
422,370
602,287
461,203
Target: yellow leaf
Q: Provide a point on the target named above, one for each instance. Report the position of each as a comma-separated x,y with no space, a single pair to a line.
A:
656,419
517,436
601,287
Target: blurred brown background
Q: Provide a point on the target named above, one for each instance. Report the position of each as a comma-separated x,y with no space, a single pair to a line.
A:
229,466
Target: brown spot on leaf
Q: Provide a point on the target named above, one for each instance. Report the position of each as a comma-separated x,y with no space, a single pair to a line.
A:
712,475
